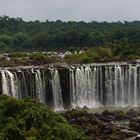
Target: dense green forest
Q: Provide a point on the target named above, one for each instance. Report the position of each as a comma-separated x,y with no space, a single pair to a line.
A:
31,120
100,41
16,34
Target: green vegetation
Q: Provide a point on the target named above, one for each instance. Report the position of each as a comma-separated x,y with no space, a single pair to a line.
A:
90,55
101,41
25,59
18,35
30,120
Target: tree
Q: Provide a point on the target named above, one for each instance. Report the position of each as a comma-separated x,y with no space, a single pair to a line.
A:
19,39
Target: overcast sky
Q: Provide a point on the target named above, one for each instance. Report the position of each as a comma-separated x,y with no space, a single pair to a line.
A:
73,10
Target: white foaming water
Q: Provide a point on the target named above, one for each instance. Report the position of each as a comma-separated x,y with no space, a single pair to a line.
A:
82,87
40,91
135,86
5,87
12,83
88,85
9,83
118,86
109,85
57,96
72,88
115,86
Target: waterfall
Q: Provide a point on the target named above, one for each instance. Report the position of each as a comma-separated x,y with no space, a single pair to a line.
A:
112,85
119,87
40,89
72,88
5,87
9,83
57,96
135,86
24,85
100,78
82,87
109,86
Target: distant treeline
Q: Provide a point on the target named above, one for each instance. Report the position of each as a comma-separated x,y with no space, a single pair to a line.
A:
16,34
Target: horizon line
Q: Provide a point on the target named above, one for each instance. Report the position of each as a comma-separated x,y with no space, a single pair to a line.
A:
66,21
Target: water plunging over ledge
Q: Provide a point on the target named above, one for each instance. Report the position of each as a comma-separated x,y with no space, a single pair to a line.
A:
66,86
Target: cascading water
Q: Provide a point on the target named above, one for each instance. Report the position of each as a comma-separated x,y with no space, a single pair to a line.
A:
82,87
40,91
9,81
5,87
12,84
56,88
88,85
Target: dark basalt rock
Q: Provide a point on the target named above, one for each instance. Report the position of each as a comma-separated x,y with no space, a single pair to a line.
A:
85,108
106,118
127,134
135,124
132,114
138,137
107,129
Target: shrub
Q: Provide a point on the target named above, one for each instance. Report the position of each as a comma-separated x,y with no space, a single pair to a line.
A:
30,120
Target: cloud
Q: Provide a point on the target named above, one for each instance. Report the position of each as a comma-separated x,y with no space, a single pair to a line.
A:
87,10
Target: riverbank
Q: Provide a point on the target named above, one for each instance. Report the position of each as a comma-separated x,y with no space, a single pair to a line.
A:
58,58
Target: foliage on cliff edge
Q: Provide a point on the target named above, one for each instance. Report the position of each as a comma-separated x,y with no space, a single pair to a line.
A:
30,120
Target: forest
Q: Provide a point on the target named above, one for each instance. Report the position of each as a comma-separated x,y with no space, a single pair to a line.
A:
17,34
99,41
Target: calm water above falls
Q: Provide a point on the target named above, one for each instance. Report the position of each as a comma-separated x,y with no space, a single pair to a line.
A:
63,87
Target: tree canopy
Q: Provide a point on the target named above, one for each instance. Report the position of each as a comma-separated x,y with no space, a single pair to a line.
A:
30,120
16,34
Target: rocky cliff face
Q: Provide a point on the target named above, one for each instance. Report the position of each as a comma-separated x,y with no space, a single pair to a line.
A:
63,87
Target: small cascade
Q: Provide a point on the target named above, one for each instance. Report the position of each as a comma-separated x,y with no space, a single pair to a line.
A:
9,83
5,87
119,92
12,84
40,91
100,84
109,92
24,85
72,87
135,86
56,88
